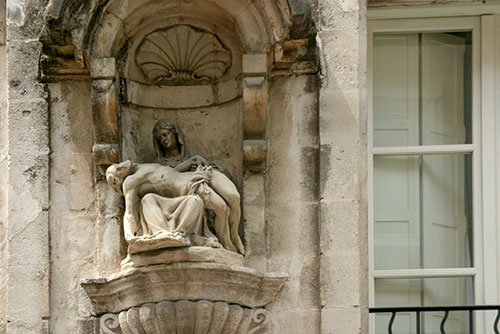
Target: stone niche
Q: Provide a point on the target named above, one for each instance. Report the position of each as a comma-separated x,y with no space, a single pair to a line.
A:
188,76
181,70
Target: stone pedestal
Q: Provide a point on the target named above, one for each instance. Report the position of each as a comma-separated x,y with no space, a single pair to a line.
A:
185,316
187,297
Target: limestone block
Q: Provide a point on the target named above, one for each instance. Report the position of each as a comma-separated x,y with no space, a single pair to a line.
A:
292,182
28,283
341,279
341,52
24,56
293,110
191,281
299,257
104,111
255,220
109,34
73,253
341,155
339,182
25,19
71,120
342,320
73,179
255,225
103,68
342,14
28,146
296,321
340,227
340,117
255,64
109,229
254,189
292,150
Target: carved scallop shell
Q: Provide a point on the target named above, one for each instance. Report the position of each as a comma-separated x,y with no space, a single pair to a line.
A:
182,53
186,317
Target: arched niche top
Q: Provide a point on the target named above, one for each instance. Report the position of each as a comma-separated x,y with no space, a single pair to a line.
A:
169,34
102,26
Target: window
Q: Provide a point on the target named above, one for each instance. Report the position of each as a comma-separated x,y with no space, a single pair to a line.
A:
425,167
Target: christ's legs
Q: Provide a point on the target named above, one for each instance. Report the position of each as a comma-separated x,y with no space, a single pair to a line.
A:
228,191
215,203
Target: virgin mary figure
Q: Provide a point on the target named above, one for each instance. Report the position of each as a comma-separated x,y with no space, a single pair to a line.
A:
171,150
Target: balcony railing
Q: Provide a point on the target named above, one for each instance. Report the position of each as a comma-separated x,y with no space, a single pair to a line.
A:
418,310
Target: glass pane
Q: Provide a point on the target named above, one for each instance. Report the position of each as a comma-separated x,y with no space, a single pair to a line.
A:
423,211
422,89
424,292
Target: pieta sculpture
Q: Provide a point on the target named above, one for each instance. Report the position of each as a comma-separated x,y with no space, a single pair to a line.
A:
170,203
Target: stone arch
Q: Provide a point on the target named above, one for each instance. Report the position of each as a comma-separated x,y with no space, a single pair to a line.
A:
261,23
93,43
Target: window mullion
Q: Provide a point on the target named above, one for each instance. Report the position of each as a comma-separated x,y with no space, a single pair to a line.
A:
423,150
425,273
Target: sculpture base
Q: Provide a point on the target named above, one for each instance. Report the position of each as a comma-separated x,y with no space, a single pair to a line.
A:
184,254
213,282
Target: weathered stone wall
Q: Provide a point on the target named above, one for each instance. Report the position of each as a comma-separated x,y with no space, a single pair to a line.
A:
73,223
343,213
292,201
4,140
28,157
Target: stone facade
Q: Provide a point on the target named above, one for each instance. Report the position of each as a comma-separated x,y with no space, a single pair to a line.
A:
281,106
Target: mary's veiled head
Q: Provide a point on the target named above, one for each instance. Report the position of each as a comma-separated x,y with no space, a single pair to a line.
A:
169,141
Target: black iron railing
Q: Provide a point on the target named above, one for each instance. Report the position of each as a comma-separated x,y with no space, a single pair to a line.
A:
418,310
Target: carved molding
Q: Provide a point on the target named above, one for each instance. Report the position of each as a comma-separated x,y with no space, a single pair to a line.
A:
192,281
186,317
182,53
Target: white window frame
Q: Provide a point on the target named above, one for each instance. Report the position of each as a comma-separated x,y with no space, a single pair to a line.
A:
485,48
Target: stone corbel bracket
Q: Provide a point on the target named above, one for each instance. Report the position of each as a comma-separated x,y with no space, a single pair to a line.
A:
255,99
186,297
186,316
104,111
